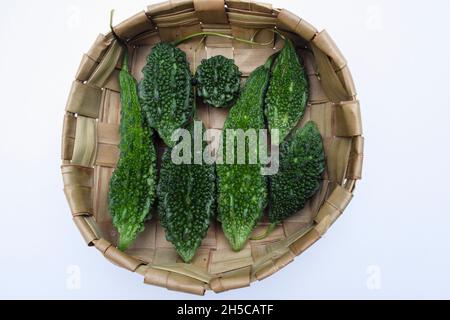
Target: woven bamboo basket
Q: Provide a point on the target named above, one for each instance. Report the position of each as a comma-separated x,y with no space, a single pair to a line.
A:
91,135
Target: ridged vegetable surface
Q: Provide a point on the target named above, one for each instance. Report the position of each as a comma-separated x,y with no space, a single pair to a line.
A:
186,194
166,90
218,81
242,188
133,183
287,95
302,162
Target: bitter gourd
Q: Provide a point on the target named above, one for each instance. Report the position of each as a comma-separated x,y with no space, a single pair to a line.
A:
133,183
218,81
186,195
167,93
302,162
242,187
287,95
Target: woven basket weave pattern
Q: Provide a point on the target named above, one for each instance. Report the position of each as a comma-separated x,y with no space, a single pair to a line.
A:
91,136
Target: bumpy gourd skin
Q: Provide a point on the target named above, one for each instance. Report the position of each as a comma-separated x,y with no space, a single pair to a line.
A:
218,81
133,183
242,188
187,199
167,93
288,92
302,162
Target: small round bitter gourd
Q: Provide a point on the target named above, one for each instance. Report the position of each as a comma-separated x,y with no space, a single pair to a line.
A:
218,81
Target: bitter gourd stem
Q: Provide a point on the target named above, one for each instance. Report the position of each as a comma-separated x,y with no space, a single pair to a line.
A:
265,234
271,30
278,33
207,33
123,43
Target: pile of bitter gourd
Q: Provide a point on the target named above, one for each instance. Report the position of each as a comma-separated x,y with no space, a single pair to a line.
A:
189,195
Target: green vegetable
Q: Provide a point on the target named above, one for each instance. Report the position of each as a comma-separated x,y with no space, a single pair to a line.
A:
218,81
167,93
133,184
288,92
242,187
302,162
186,194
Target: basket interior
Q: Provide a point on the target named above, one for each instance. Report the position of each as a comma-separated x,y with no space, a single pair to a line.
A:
215,255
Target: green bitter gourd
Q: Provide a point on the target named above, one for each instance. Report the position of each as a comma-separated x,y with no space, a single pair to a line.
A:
242,187
166,90
218,81
302,162
133,183
287,95
186,194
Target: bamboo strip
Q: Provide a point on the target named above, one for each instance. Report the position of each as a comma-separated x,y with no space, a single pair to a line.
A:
276,250
79,200
173,281
247,20
232,280
211,11
302,244
78,188
121,259
86,68
107,155
346,78
150,38
275,266
290,22
324,42
134,26
102,245
178,26
337,159
112,82
169,7
332,209
68,136
106,67
142,254
99,48
84,100
77,176
331,83
85,147
227,260
181,19
356,159
108,133
250,5
188,270
254,13
85,230
348,119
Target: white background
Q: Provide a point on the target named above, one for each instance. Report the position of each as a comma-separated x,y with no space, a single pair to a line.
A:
392,242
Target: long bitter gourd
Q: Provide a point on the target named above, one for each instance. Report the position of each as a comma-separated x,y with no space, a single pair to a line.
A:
302,162
242,187
218,81
167,93
133,183
287,95
186,194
